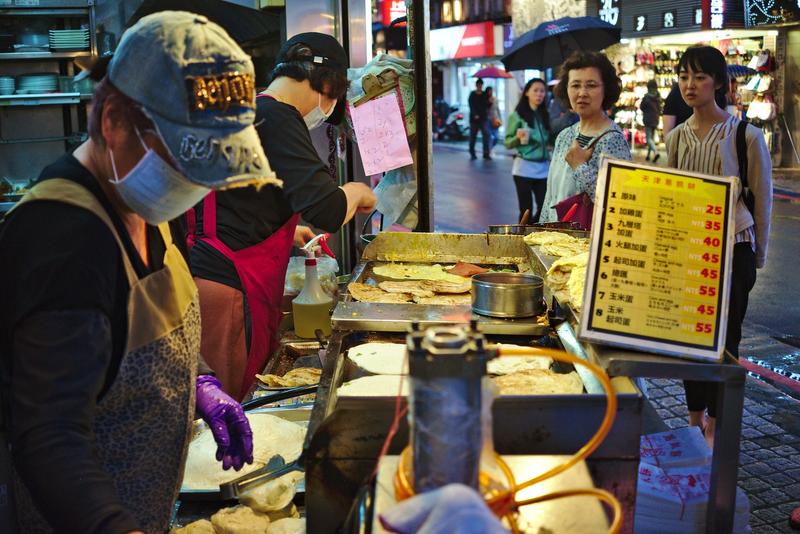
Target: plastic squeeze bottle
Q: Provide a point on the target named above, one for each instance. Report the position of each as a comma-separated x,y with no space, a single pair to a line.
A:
311,308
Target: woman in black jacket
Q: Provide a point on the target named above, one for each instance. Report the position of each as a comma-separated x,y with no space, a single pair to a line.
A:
651,113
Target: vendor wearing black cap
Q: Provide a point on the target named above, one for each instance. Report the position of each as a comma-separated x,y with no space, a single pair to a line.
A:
241,239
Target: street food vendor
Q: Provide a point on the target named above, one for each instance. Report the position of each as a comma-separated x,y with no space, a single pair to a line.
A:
100,325
241,239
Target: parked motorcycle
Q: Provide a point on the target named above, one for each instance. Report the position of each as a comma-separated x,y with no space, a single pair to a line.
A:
448,123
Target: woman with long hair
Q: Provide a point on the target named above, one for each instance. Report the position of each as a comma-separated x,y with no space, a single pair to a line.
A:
589,85
528,130
710,142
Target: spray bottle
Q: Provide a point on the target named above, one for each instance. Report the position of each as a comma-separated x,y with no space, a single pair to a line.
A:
312,307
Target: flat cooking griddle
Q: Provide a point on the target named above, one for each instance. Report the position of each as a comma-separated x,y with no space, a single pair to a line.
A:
492,251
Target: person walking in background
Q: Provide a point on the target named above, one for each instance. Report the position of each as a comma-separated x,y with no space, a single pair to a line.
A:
493,118
676,111
528,130
589,85
651,113
478,112
560,116
712,141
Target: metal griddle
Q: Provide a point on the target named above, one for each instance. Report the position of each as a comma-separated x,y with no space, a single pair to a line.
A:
487,250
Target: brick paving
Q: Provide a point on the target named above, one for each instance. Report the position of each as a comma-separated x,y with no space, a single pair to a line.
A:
769,462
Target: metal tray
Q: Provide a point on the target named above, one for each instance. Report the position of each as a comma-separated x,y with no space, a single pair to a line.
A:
499,251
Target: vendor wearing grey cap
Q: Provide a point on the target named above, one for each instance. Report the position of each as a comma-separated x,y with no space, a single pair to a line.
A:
241,239
100,323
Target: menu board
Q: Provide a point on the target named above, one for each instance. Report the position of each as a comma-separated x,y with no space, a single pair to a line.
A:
660,258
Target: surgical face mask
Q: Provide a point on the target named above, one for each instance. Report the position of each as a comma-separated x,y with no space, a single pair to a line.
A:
316,116
154,189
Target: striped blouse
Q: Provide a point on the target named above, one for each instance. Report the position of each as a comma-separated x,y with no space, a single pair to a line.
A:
696,155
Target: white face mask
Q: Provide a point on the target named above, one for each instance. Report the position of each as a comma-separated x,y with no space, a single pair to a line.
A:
154,189
316,116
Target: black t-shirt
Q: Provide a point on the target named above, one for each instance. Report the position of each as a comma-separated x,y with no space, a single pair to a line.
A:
675,105
63,332
246,216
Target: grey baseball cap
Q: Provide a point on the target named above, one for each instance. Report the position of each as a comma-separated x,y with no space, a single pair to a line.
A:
198,87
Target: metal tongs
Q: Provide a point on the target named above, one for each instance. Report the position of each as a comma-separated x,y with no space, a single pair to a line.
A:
275,468
279,396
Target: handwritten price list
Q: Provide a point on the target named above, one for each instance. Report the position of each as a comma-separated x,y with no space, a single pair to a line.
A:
659,265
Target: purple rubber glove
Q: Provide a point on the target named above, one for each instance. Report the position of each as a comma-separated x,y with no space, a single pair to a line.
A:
227,421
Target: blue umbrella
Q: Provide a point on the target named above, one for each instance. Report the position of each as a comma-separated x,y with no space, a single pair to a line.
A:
740,70
549,44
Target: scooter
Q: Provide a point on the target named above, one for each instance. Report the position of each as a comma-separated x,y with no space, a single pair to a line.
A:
453,128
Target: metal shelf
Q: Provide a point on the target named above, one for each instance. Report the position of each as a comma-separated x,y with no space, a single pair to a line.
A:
20,56
46,99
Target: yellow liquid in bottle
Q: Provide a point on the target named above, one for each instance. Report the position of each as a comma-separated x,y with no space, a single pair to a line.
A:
311,317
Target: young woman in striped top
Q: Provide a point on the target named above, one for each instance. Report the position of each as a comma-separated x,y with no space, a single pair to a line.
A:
706,143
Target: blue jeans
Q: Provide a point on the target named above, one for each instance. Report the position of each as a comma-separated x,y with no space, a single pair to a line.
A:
486,136
650,133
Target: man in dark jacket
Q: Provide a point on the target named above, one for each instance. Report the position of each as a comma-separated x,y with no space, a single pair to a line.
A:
478,120
651,113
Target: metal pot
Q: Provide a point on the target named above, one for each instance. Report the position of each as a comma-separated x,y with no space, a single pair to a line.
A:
511,229
507,295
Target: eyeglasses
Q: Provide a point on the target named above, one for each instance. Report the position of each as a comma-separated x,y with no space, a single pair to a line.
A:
589,86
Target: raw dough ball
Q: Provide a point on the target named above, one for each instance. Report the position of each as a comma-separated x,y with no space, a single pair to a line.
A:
239,520
288,526
273,495
202,526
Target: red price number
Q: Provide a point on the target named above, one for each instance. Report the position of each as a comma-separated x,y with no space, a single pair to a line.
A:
711,258
708,291
703,328
711,241
713,210
709,273
713,225
706,310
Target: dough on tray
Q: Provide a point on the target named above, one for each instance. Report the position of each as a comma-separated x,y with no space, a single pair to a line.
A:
380,358
448,286
373,386
271,435
412,287
414,271
240,520
445,300
539,382
368,293
542,238
272,496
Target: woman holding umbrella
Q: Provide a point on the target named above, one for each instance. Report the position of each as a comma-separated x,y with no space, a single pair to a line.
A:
589,85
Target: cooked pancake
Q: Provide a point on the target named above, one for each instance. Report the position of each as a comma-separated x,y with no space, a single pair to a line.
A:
559,272
414,271
412,287
302,376
373,386
566,249
575,285
380,358
539,382
464,285
506,365
272,496
542,238
367,293
289,525
445,300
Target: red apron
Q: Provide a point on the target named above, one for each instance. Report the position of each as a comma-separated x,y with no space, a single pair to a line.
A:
262,271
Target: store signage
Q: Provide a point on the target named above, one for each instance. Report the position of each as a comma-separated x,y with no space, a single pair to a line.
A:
392,10
660,259
508,36
713,14
668,19
639,23
609,11
458,42
698,16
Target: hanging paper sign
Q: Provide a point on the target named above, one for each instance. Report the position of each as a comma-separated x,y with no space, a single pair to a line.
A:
381,135
660,259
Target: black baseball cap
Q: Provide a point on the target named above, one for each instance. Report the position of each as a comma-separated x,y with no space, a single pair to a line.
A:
328,52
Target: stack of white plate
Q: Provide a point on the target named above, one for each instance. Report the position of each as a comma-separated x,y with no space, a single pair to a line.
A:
69,39
6,85
37,83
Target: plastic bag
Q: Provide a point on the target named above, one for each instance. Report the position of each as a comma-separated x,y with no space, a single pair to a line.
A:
296,275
